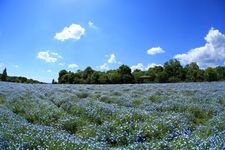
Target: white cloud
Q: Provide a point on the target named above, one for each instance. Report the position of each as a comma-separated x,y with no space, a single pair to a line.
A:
155,50
74,31
152,65
139,66
112,59
212,53
71,66
92,25
61,64
104,66
50,57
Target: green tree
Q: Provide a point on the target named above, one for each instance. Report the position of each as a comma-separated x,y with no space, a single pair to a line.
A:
137,74
65,78
125,74
87,72
210,74
220,70
61,74
78,77
94,78
4,75
103,78
53,81
161,77
174,70
156,74
70,77
114,77
192,72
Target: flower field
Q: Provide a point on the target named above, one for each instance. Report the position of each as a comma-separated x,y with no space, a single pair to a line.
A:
127,116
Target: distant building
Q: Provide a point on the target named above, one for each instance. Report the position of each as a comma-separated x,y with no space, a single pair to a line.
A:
144,79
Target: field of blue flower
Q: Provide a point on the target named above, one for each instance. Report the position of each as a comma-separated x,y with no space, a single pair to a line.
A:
134,116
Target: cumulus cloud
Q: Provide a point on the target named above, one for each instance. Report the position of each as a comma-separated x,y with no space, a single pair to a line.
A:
112,59
141,67
71,66
155,50
49,57
212,53
152,65
74,31
104,66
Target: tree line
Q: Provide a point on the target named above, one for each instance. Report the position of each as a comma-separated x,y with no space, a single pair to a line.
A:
171,71
5,77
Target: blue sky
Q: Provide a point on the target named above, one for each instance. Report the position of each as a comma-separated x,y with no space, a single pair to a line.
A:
38,38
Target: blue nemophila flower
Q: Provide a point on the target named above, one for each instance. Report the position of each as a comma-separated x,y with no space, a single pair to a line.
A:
146,116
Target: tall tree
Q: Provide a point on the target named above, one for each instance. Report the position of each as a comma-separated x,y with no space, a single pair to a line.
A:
4,75
174,70
53,81
61,74
220,72
88,72
192,72
210,74
125,74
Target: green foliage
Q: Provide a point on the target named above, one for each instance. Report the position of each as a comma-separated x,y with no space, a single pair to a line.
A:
193,72
137,102
82,95
222,101
62,73
157,97
107,99
73,125
103,78
210,74
53,81
94,79
4,75
114,77
2,99
137,74
199,116
220,70
125,74
171,71
88,72
174,70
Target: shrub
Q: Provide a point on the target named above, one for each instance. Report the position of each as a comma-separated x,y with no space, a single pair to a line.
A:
2,99
222,101
82,95
73,125
137,102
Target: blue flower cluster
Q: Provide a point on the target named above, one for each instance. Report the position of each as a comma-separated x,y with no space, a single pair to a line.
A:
142,116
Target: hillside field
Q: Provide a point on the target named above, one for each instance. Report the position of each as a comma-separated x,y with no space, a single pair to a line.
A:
123,116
